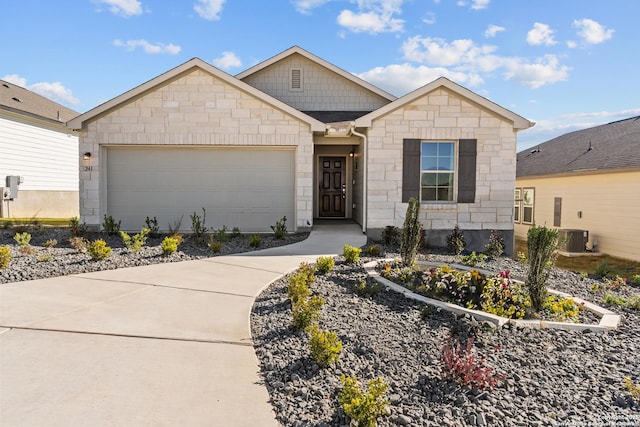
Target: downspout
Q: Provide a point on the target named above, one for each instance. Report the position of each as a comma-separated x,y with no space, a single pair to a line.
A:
365,149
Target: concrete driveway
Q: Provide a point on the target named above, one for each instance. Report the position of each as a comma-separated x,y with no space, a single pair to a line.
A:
161,345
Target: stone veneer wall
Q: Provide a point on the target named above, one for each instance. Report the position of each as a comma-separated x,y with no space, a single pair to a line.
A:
443,116
195,109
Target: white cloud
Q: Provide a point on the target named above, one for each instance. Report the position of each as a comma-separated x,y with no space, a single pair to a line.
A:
209,9
400,79
591,31
493,30
571,44
480,4
543,71
122,7
435,51
305,6
373,16
227,60
149,48
540,34
54,91
429,18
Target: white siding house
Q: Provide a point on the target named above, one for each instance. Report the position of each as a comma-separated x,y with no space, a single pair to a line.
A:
36,145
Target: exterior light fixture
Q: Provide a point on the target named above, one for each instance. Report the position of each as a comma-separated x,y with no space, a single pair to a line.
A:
87,156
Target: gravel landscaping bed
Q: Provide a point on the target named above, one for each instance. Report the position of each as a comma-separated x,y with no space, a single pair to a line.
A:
63,259
552,377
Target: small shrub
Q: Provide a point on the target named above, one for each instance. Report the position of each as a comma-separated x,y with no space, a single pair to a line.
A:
325,264
235,233
366,289
198,227
634,303
426,311
632,389
636,279
137,242
152,225
280,229
363,407
373,250
617,283
26,250
351,254
222,234
45,257
495,246
77,229
169,245
175,226
98,250
79,243
611,299
391,235
455,241
110,226
325,346
22,239
255,241
214,246
461,365
50,243
5,257
522,258
541,245
473,259
299,283
411,233
603,269
305,312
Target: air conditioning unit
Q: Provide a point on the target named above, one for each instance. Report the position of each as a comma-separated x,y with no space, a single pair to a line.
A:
573,240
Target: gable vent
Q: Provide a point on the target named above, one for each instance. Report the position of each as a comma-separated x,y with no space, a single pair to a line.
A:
296,79
16,99
5,85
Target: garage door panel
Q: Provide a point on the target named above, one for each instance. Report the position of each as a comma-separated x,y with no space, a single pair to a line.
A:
249,188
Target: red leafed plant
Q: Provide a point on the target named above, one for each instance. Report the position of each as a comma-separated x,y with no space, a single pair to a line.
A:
462,365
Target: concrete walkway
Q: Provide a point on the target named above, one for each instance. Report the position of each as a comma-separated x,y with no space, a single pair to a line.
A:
160,345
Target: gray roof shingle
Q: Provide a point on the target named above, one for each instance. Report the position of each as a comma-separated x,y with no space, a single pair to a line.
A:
611,146
20,100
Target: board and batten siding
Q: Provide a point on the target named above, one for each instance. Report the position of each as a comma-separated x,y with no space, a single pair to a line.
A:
609,206
47,159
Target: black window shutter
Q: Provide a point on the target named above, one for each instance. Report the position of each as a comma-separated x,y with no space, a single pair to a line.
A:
410,169
467,153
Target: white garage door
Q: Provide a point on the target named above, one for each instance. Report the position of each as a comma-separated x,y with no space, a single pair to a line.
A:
249,188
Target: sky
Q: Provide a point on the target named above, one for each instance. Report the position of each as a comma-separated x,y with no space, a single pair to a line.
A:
564,64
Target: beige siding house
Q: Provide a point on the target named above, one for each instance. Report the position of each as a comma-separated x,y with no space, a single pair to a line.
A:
296,136
36,145
587,180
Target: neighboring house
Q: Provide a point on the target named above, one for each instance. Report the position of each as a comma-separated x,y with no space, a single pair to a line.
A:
296,136
586,180
36,145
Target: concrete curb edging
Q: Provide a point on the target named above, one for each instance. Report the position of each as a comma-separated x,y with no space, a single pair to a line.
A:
608,319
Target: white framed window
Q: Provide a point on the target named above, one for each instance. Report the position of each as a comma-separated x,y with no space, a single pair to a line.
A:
437,171
528,202
295,79
517,205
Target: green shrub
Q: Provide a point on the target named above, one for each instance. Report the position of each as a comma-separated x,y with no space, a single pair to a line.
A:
214,246
98,250
373,250
235,233
175,226
280,229
391,235
50,243
632,389
473,259
152,225
135,243
45,257
197,225
305,312
5,257
76,228
255,241
223,234
22,239
455,241
603,269
351,254
169,245
411,233
363,407
365,289
110,226
299,283
541,245
325,264
495,246
325,346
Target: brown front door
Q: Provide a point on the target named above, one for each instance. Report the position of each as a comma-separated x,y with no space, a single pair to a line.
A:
333,190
